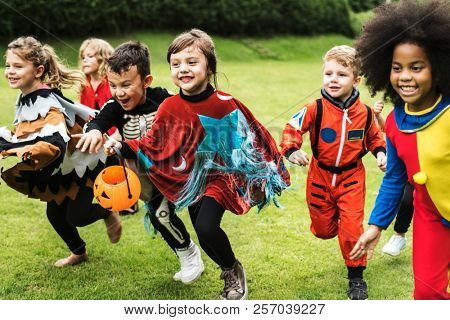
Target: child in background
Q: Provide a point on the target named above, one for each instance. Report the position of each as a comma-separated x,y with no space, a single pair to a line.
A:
207,152
132,110
341,129
93,55
413,70
397,242
51,169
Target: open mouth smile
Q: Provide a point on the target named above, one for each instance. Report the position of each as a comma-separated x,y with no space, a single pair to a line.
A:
186,79
408,90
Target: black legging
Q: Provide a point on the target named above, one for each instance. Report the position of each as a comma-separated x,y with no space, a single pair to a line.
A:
75,213
167,223
405,211
206,216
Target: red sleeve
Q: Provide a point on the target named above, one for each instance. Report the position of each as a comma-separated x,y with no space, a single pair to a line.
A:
166,136
104,93
300,123
87,97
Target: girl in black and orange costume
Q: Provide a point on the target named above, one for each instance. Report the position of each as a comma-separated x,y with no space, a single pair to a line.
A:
51,169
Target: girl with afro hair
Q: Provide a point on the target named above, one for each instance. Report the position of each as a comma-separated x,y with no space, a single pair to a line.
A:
405,54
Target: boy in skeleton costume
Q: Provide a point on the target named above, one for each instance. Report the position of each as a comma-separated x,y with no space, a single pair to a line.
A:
131,110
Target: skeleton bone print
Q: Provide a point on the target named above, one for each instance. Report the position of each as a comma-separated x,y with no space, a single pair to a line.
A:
137,125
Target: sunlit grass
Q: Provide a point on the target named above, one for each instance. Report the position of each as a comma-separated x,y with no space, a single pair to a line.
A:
283,260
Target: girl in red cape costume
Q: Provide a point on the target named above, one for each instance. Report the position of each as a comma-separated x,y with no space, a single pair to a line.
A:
207,152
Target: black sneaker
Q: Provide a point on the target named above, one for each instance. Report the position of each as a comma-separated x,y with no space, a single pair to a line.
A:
357,289
130,211
235,283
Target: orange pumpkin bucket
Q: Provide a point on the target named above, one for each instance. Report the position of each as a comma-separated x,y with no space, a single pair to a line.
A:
117,187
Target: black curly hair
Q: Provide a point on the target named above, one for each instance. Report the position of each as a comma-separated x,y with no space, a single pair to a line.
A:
424,23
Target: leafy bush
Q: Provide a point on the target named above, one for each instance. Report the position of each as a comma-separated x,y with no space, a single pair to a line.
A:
224,17
364,5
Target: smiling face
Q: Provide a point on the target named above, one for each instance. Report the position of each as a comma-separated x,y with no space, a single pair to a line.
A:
89,61
411,77
338,80
22,74
128,88
189,69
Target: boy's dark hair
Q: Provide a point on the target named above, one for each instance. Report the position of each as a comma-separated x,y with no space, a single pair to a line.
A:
426,24
128,54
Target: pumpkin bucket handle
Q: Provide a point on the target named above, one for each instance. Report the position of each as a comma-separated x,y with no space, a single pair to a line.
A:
122,162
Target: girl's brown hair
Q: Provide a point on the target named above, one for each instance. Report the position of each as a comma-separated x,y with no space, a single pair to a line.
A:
103,51
198,39
55,75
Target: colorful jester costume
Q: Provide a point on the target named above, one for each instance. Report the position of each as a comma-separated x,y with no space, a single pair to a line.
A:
418,147
212,147
51,168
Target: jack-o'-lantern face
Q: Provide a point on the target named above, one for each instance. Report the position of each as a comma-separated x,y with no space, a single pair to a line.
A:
112,190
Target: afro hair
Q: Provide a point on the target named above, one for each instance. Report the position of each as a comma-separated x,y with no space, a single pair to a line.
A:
424,23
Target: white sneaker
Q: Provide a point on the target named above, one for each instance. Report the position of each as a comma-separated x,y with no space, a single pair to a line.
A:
191,264
395,244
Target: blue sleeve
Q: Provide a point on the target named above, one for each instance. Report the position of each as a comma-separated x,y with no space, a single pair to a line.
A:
391,189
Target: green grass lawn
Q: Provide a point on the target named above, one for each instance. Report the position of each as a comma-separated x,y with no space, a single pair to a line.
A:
283,260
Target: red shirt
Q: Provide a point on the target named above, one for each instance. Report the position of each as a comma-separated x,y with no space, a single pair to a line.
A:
95,99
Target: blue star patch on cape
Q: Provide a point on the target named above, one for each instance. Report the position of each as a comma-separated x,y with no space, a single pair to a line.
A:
222,135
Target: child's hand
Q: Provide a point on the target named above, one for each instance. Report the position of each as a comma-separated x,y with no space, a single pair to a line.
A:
378,107
299,157
381,161
116,136
91,140
109,146
366,243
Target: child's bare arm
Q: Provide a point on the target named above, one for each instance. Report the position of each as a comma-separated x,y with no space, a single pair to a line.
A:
377,109
375,143
366,243
381,156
